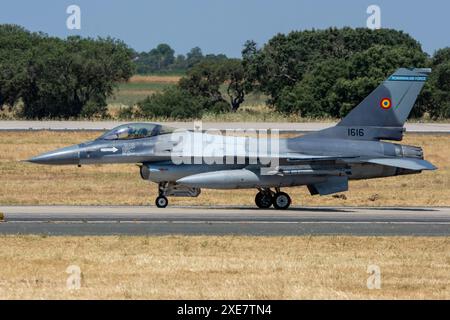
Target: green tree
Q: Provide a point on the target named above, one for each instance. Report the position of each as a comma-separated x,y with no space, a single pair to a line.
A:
437,90
283,62
165,55
193,57
206,79
441,56
180,62
369,68
57,78
334,86
441,94
172,102
313,96
157,59
74,77
15,45
236,83
162,59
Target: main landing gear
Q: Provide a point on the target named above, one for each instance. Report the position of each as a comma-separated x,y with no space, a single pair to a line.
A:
265,198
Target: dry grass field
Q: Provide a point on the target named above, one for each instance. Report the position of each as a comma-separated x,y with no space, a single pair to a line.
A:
137,89
203,267
224,267
26,183
154,79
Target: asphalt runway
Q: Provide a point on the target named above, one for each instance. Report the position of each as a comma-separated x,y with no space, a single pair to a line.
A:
285,127
129,220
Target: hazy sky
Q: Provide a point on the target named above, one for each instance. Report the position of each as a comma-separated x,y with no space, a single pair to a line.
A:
222,26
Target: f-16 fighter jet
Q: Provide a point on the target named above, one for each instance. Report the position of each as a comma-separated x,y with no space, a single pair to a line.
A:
182,162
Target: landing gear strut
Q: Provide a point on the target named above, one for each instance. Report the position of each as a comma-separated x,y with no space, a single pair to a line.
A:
161,201
265,198
171,189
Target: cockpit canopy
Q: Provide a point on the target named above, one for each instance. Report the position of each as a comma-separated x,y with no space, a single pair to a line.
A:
136,131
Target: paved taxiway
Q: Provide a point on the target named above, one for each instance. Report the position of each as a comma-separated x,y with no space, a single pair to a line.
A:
121,220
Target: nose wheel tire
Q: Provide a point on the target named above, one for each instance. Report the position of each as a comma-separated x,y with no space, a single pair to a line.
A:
161,202
263,200
281,201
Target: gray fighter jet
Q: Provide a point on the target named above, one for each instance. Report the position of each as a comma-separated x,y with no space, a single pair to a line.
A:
184,162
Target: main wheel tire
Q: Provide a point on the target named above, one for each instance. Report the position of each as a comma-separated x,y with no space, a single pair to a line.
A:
263,200
281,201
161,202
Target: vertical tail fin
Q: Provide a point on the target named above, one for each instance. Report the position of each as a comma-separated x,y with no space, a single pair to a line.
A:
390,104
383,113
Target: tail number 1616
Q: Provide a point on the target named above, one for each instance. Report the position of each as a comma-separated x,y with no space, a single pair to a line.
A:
352,132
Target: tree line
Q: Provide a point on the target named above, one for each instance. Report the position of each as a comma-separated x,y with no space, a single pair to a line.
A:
162,59
47,77
313,73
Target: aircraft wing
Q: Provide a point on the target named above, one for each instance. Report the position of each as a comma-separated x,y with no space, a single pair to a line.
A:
404,163
337,183
298,157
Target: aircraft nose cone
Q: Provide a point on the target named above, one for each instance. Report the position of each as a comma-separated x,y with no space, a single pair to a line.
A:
68,155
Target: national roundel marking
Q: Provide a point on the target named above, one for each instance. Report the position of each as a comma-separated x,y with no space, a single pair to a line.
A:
386,103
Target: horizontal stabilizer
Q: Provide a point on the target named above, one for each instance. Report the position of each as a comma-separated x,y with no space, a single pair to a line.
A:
404,163
330,186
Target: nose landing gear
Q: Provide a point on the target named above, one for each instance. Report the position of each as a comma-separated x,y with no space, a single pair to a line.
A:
265,198
171,189
161,201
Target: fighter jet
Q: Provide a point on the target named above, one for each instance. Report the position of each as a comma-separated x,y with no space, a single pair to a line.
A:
184,162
